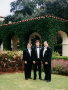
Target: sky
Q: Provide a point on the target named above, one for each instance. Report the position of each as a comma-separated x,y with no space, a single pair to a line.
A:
5,7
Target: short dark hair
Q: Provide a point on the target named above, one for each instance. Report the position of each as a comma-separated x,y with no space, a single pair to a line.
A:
37,41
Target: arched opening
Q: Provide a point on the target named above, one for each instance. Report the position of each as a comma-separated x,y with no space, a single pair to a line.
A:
58,44
12,42
15,43
64,37
33,37
62,43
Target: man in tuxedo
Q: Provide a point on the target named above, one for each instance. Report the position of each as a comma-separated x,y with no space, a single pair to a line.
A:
27,61
46,53
36,59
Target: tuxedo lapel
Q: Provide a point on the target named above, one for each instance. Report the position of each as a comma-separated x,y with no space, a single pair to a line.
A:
42,49
28,52
45,51
36,51
39,51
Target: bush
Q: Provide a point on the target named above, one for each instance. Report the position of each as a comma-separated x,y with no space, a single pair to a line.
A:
11,61
60,57
55,54
60,66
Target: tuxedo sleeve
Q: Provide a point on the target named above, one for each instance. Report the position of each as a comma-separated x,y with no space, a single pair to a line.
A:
49,55
33,54
41,54
24,55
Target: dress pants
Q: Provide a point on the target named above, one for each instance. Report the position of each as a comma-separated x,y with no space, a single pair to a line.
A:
27,70
47,71
37,66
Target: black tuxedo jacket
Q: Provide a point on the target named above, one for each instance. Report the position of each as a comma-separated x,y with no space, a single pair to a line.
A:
47,55
34,53
26,55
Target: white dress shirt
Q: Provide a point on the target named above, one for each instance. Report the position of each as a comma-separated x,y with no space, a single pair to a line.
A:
38,52
45,48
29,50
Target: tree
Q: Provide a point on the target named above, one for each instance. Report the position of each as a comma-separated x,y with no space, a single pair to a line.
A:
24,9
58,8
23,6
9,18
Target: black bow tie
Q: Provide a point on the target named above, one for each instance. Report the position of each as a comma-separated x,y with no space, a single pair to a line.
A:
37,47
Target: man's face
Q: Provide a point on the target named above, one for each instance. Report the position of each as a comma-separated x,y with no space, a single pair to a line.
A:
29,46
37,44
45,44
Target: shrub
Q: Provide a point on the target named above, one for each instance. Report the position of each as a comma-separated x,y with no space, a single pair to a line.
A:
11,61
55,54
60,66
60,57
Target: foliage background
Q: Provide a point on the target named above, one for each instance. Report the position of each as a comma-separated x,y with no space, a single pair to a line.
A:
24,9
47,27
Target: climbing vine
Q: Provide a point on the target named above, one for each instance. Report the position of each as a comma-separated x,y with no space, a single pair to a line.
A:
47,27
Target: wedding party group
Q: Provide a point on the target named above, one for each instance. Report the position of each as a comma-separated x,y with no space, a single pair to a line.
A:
34,58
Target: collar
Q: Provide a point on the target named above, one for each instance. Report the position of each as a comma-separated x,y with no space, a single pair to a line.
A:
29,48
37,47
45,47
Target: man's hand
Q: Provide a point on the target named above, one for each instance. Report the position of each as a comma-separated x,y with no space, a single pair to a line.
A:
34,62
46,63
25,62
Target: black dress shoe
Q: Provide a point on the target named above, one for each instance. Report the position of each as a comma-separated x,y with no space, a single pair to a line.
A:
30,78
44,79
48,80
34,79
40,78
26,78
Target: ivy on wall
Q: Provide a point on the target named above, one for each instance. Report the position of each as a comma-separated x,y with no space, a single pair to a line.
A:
46,26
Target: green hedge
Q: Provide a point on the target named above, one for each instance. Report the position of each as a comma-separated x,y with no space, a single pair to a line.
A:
56,55
47,27
60,57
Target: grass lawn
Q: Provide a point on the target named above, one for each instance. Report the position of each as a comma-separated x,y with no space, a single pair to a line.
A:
17,82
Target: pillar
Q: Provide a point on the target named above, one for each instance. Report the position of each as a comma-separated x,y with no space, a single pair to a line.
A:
1,47
64,37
